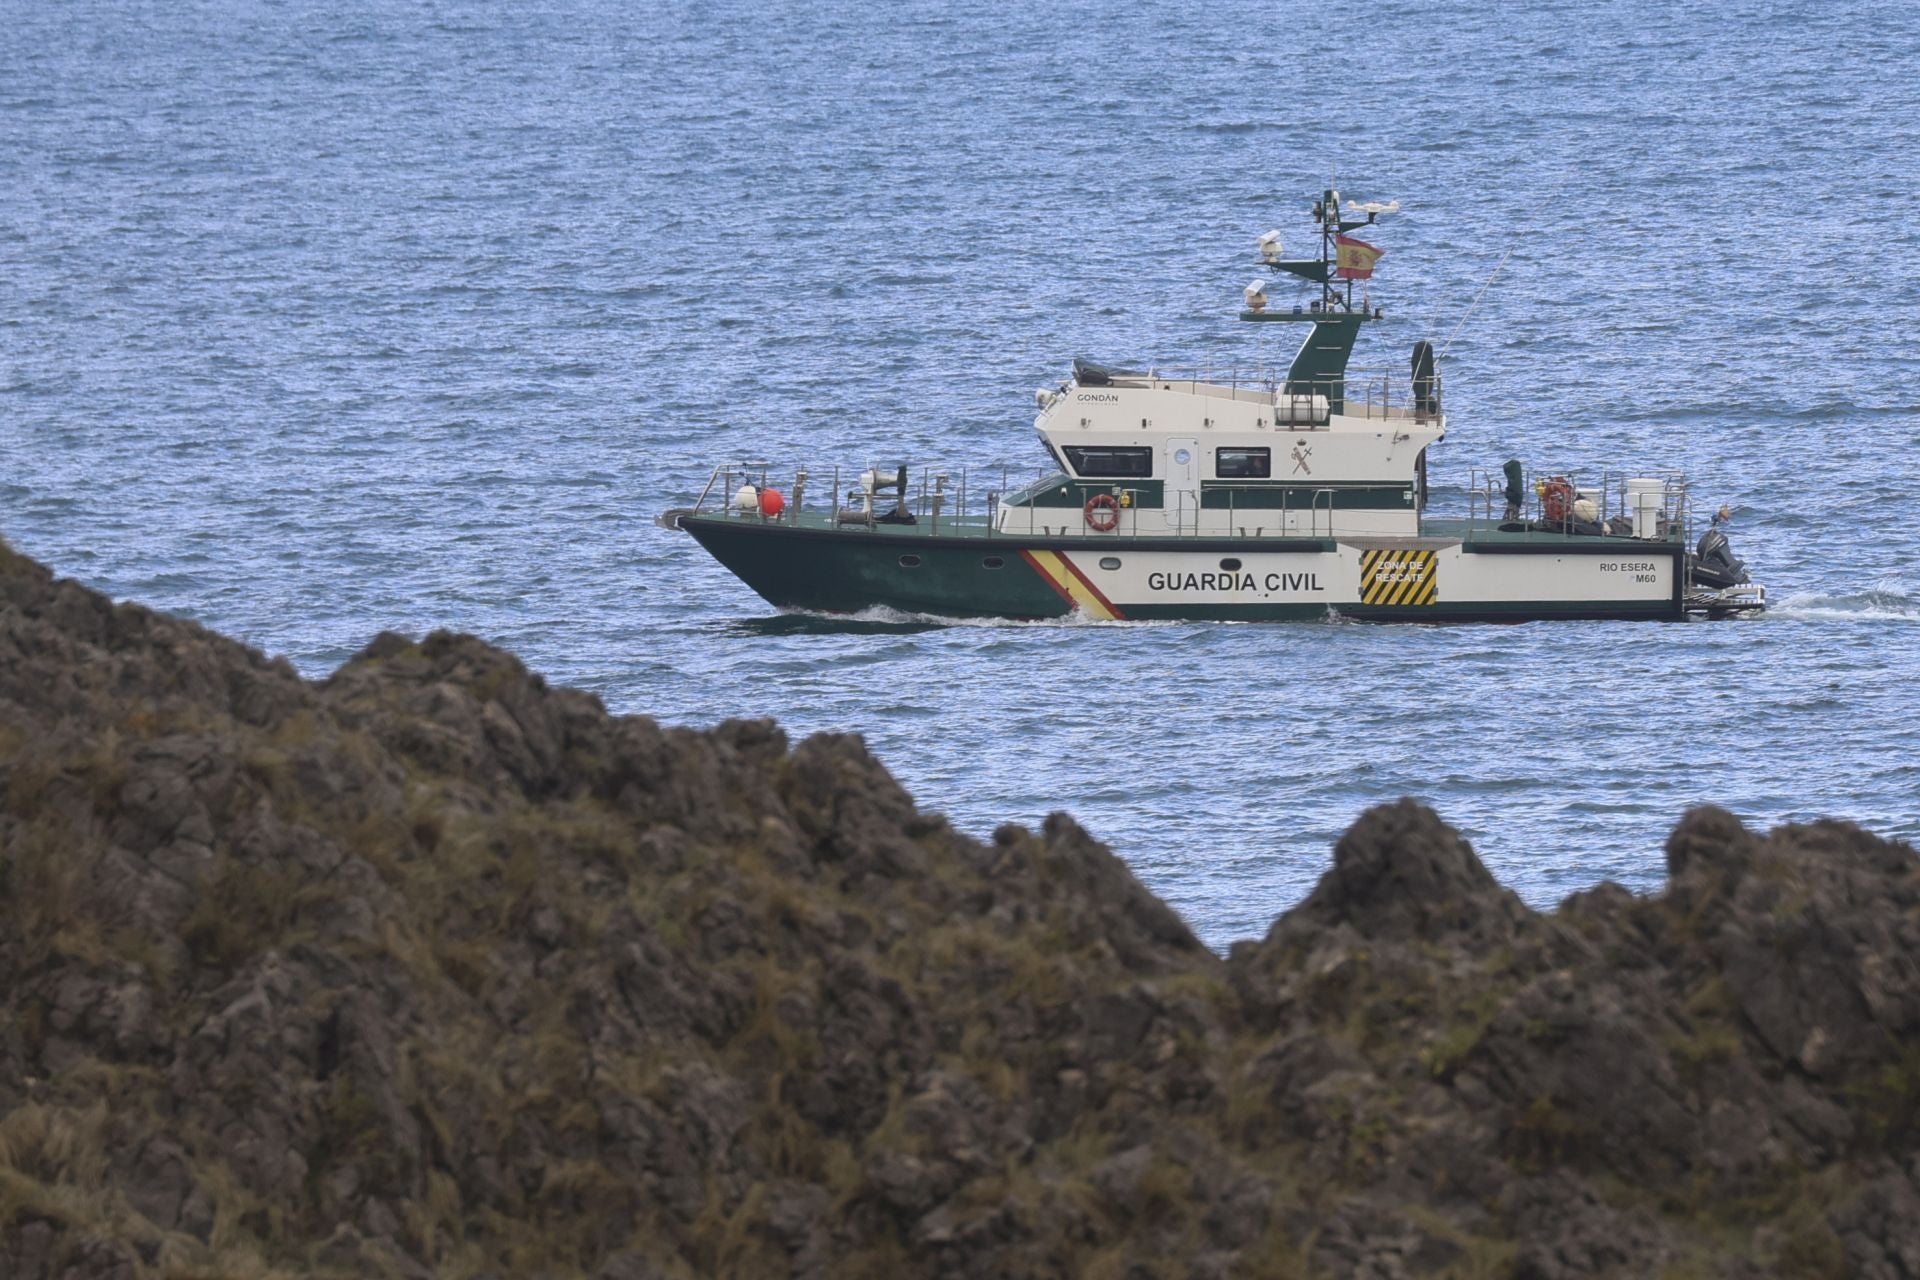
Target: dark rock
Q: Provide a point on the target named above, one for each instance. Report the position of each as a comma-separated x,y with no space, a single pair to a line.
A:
1879,1232
1401,872
431,968
1709,842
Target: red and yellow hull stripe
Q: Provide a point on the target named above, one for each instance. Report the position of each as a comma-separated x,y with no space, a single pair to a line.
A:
1072,585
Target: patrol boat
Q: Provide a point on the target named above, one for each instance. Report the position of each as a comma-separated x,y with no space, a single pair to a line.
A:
1232,495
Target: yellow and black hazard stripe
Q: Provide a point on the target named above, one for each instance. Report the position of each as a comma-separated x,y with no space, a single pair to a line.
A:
1399,577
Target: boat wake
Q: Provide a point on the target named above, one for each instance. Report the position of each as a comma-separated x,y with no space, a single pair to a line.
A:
883,620
1886,599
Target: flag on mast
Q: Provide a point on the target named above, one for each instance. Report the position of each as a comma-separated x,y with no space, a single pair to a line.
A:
1354,259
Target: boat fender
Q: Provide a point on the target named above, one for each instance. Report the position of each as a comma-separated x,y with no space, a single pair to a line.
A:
1102,512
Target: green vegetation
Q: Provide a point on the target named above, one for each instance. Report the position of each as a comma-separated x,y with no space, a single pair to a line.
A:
433,968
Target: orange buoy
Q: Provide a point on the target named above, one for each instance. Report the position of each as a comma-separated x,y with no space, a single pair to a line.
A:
1556,499
771,503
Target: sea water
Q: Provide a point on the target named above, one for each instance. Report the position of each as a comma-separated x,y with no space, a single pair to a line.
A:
317,321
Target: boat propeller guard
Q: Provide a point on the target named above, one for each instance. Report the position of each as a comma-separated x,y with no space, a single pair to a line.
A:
1102,512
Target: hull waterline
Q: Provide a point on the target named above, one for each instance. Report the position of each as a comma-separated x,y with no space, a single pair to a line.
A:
985,575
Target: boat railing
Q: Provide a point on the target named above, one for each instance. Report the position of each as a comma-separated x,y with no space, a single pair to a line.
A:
934,496
1484,488
1388,395
937,500
723,474
1372,394
1679,502
1609,492
963,499
1175,511
1232,377
1322,502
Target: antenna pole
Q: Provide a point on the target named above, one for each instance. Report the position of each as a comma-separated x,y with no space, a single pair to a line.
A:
1327,210
1476,300
1511,246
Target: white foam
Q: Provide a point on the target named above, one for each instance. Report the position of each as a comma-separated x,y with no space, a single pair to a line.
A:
1885,599
888,616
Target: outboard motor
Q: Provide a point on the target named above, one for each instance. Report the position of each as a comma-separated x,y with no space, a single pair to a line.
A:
1714,565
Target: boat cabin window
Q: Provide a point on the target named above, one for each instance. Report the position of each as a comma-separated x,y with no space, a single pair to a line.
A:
1243,464
1105,460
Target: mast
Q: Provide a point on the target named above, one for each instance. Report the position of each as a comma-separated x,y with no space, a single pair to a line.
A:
1320,366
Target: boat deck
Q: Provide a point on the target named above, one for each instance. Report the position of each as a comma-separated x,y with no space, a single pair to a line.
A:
1435,532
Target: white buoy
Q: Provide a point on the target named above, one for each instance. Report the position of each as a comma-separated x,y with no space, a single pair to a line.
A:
748,499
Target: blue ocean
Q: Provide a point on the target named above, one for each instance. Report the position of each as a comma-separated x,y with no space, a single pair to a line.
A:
319,320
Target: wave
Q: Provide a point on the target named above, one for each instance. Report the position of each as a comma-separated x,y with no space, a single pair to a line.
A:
883,620
1884,599
884,616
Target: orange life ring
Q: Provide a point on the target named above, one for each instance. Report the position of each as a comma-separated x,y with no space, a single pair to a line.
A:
1556,500
1102,512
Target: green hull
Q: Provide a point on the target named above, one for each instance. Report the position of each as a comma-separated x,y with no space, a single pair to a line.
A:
832,571
971,573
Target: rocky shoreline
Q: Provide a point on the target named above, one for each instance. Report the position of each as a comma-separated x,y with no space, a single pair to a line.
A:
428,969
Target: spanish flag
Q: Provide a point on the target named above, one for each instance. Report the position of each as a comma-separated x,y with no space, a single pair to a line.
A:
1354,259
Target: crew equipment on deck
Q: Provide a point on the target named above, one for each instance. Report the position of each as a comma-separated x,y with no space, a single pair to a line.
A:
1556,499
1237,493
1516,490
